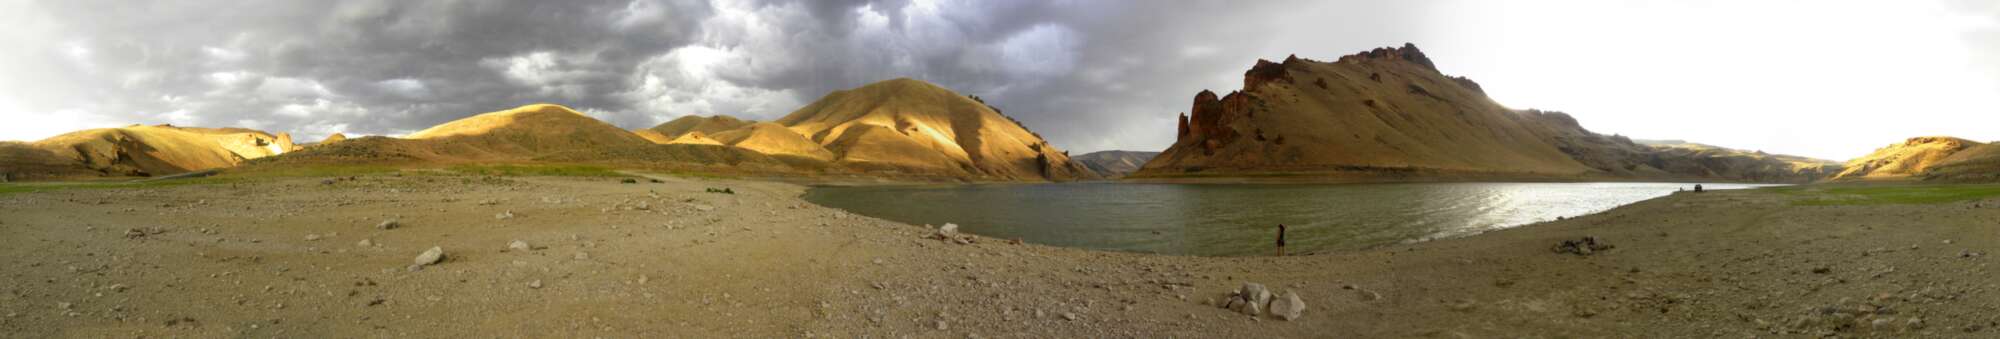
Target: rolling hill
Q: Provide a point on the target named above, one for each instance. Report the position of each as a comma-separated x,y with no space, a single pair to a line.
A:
910,126
138,150
1927,158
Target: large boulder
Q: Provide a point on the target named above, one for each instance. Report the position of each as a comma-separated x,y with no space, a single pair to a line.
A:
1288,307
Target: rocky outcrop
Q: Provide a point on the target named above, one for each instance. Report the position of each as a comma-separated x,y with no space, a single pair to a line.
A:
1389,114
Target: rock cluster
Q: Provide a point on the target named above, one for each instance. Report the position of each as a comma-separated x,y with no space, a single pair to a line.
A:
1253,299
1586,246
949,233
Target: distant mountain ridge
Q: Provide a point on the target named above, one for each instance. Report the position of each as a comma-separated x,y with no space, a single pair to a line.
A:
1111,164
1388,114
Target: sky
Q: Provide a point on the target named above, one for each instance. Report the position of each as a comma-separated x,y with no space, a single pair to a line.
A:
1827,79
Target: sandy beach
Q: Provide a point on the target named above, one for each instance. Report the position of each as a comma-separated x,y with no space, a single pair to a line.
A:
305,257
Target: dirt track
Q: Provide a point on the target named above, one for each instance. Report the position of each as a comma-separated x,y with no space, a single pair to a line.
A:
281,259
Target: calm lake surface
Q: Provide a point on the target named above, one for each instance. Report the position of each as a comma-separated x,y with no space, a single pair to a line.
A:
1221,219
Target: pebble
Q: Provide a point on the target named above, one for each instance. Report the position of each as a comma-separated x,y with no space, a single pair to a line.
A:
518,245
581,256
537,284
1068,316
431,256
389,224
504,215
365,243
312,237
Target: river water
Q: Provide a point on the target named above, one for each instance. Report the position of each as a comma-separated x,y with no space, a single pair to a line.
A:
1227,219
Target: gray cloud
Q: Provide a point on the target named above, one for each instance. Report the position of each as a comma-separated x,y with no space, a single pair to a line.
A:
1089,75
1070,70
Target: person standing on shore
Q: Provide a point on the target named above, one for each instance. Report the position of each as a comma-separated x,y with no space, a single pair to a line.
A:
1281,240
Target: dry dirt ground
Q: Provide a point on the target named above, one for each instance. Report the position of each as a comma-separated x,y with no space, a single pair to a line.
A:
286,258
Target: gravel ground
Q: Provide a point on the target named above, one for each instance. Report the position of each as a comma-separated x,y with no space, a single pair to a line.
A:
595,257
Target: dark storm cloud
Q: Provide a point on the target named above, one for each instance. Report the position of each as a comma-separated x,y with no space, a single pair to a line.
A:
1089,75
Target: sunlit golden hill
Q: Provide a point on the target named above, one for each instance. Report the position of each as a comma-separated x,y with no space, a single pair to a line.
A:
538,133
138,151
907,125
1927,158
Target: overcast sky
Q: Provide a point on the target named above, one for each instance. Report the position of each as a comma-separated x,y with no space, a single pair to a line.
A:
1829,79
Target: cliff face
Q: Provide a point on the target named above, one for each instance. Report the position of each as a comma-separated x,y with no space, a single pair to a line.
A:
1386,110
1389,113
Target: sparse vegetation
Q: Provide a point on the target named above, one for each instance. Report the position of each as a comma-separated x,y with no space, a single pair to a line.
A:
537,170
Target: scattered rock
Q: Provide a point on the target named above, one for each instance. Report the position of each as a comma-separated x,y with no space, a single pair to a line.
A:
389,224
1071,316
431,256
1586,246
504,215
629,181
142,232
1822,270
537,284
326,181
312,237
518,245
949,233
365,243
1289,307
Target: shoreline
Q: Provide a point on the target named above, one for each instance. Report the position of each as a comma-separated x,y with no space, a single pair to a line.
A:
279,257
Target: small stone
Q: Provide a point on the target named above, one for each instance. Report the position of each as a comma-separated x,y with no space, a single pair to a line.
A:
1255,293
365,243
1914,323
118,287
537,284
941,325
1822,270
504,215
312,237
389,224
1883,324
431,256
518,245
581,256
1288,307
1071,316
